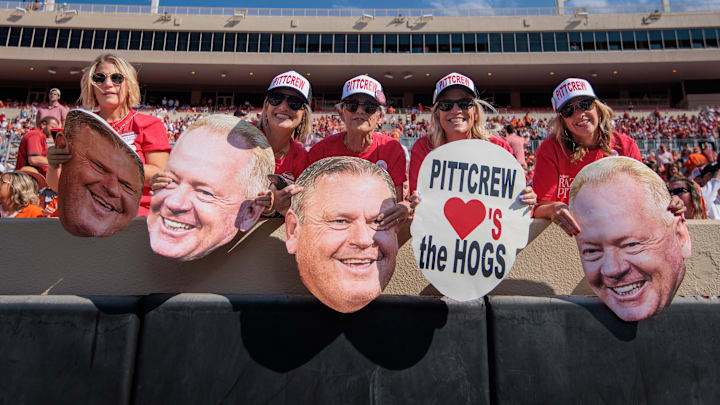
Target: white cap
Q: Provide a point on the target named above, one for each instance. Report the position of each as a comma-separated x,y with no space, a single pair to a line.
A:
55,89
364,85
294,81
569,89
453,79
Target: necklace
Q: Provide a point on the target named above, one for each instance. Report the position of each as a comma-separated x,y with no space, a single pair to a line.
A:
283,152
119,128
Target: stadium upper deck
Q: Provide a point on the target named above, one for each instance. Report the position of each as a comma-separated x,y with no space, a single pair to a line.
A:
646,55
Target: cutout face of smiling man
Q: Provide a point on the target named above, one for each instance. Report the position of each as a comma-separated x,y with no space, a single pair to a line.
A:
332,229
217,168
631,247
101,185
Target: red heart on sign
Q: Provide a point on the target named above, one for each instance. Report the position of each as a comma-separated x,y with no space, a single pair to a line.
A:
464,217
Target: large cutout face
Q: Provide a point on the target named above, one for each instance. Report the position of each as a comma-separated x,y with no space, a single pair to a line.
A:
341,256
100,186
204,206
631,256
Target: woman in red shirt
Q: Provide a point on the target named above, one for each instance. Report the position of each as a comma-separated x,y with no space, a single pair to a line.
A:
581,133
361,109
286,121
456,114
19,196
110,87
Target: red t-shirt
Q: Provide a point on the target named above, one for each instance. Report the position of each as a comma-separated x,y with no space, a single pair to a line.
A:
423,146
33,143
384,152
293,163
554,173
144,133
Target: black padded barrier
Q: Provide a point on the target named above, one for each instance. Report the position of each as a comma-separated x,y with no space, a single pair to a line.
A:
574,350
67,349
212,349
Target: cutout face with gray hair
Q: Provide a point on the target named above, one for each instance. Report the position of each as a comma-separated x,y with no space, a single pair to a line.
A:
216,169
100,186
631,247
332,229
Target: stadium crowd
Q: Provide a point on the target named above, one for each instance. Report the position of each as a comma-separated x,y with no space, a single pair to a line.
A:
691,170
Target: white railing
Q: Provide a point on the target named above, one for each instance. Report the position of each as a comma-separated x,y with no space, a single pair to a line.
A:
352,12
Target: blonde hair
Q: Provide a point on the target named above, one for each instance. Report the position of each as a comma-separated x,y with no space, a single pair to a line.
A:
477,131
301,132
24,189
609,169
335,165
87,93
242,135
557,128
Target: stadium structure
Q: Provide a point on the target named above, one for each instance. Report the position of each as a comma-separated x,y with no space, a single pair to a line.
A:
659,55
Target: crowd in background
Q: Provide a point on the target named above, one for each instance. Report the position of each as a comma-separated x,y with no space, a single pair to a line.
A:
670,161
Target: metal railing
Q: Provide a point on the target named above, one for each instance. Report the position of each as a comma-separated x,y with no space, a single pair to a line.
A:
350,12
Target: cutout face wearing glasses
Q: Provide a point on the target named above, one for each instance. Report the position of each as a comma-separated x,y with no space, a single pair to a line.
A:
456,113
109,85
581,119
360,113
284,109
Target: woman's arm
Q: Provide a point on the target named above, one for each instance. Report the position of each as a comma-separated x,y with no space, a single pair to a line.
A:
154,163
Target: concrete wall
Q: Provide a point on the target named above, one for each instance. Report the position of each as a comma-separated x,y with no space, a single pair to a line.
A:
37,256
493,23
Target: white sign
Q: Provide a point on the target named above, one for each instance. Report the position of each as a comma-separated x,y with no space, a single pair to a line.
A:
470,224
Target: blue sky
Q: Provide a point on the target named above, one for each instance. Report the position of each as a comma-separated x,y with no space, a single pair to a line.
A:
394,4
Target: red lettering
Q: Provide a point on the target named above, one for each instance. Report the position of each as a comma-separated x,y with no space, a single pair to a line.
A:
496,220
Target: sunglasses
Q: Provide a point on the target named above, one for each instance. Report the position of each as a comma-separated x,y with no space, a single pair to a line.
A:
369,108
295,103
116,78
582,105
447,105
678,191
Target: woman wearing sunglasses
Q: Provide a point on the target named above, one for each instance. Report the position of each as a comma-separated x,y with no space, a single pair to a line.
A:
110,86
361,109
457,114
581,133
689,192
286,121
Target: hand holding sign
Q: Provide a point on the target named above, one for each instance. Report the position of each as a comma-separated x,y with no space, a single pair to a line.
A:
468,229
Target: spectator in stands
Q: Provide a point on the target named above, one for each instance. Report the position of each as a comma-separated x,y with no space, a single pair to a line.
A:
631,247
286,121
343,257
53,109
217,169
711,190
361,109
672,170
457,114
517,143
100,187
33,145
689,192
664,156
581,133
695,159
19,196
708,151
110,86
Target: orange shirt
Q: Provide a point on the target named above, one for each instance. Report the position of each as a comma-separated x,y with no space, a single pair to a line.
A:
30,211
